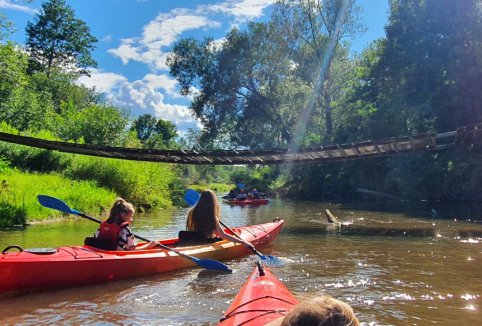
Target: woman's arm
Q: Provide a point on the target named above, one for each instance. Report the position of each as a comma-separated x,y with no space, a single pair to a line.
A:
220,231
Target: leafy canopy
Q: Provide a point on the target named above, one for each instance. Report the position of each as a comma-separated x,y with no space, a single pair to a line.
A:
57,40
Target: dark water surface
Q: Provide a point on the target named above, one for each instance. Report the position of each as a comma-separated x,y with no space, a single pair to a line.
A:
392,264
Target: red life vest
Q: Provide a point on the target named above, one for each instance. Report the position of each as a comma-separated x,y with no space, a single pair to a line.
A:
109,232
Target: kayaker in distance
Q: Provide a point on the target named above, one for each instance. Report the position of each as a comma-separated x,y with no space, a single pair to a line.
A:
322,310
255,194
114,233
242,195
203,220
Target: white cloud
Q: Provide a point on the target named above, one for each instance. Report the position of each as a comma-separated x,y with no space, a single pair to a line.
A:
159,34
152,46
106,38
142,97
242,10
9,4
103,81
163,82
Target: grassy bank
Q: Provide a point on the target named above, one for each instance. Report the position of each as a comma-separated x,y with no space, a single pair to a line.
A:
19,190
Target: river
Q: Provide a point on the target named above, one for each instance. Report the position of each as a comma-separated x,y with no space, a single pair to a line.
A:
394,264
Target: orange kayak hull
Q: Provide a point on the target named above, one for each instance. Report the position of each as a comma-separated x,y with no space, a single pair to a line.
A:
247,202
83,265
262,299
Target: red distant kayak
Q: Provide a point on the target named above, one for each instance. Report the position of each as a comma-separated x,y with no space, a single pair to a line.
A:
82,265
246,202
262,299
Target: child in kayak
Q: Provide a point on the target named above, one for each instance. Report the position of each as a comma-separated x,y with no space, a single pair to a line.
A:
114,233
203,219
322,310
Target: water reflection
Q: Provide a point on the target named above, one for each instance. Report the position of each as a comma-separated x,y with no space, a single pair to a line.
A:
393,266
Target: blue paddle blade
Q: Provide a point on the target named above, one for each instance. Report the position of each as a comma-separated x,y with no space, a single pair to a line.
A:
212,264
191,197
52,202
272,261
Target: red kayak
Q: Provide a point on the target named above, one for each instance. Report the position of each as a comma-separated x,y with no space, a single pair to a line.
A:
262,299
246,202
82,265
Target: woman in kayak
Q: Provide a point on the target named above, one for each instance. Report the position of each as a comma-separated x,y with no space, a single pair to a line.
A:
203,219
114,233
322,310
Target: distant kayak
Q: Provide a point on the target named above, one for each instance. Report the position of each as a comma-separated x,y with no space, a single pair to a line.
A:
262,299
81,265
246,202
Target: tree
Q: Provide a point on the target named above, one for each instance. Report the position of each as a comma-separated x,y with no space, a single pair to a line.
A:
314,29
59,41
5,26
96,125
429,75
144,126
241,83
154,133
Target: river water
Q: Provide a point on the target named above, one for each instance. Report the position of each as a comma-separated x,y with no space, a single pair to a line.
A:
394,264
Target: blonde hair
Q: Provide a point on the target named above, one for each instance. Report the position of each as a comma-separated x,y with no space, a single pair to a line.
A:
120,207
321,311
202,218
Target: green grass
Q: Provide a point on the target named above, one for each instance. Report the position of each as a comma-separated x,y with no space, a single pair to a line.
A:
19,190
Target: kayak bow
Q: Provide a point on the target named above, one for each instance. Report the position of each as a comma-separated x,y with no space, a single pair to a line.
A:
262,299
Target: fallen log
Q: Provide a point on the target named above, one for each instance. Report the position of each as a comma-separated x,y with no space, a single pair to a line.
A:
331,218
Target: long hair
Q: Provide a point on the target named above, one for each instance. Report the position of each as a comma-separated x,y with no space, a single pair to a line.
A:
120,206
202,217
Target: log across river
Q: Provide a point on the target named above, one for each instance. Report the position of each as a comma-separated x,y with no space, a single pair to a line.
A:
393,264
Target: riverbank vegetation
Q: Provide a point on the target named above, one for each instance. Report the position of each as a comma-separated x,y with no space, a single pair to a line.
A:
289,81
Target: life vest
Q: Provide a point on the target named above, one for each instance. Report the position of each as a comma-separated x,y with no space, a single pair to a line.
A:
109,232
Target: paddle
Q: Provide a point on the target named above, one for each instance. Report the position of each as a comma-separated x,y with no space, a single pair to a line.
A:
52,202
191,197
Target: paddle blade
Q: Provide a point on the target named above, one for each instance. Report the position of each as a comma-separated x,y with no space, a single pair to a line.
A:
191,197
213,265
272,261
55,203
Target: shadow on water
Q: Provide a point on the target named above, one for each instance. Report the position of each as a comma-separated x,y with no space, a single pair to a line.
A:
361,230
426,209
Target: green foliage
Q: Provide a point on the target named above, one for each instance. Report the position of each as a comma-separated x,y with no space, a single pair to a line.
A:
19,192
144,184
238,81
13,65
147,185
427,76
255,177
6,26
4,165
94,125
57,41
11,215
153,133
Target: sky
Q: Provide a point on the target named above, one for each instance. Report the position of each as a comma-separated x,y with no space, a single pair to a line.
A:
135,37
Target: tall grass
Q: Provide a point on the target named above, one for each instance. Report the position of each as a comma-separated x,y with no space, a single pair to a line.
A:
19,190
147,185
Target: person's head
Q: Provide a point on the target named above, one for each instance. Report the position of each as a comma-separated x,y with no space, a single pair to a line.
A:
202,217
121,211
241,191
321,311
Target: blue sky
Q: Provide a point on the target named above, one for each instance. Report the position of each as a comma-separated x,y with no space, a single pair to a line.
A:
135,37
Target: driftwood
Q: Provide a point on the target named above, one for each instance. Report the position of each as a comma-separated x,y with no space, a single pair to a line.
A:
331,218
